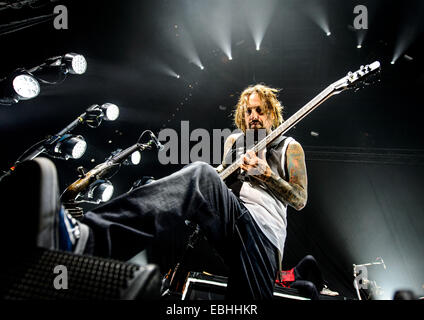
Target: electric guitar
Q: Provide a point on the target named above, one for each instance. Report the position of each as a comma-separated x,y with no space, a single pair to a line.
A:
354,80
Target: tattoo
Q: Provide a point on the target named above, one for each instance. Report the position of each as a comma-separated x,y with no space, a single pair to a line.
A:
294,192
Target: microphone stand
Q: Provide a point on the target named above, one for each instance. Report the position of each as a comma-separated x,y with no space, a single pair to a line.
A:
49,141
179,274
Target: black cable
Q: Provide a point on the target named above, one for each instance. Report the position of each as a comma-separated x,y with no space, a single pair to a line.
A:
19,25
141,135
30,149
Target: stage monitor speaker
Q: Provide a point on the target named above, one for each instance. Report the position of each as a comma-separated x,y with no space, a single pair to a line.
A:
41,274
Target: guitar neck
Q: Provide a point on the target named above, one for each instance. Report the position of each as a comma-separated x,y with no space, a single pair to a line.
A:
284,127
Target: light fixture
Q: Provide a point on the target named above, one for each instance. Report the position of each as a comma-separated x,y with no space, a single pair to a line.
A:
132,159
21,85
110,111
359,46
69,146
99,191
328,33
54,70
95,114
26,86
135,157
75,63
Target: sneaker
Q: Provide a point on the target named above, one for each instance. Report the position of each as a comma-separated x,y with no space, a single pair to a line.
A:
72,235
328,292
33,210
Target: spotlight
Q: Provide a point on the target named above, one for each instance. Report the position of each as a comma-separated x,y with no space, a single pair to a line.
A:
51,68
99,191
178,76
75,63
135,157
202,67
110,111
393,62
359,46
230,58
95,114
69,146
21,85
328,33
26,86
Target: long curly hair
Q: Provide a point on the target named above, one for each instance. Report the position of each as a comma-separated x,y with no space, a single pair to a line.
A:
270,100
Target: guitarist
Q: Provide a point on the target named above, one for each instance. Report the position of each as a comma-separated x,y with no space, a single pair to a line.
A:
248,230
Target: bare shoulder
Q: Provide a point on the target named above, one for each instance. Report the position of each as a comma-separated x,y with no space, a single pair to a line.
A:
294,148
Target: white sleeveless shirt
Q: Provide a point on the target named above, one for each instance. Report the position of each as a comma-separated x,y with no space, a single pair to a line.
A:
268,212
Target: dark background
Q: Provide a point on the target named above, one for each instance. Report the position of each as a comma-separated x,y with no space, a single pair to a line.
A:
365,167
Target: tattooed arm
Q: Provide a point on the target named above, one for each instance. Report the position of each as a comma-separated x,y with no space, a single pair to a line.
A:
294,192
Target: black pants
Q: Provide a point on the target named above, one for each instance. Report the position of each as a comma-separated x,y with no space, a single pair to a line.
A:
195,193
308,277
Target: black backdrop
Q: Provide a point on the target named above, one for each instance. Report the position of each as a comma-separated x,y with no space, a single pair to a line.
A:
364,167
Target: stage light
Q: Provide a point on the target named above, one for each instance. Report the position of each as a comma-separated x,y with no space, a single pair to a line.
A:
95,114
178,76
72,63
100,191
392,62
26,87
202,67
75,63
135,157
319,15
69,146
110,111
359,46
230,58
258,18
21,85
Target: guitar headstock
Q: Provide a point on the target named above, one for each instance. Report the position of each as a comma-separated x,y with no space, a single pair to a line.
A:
358,79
